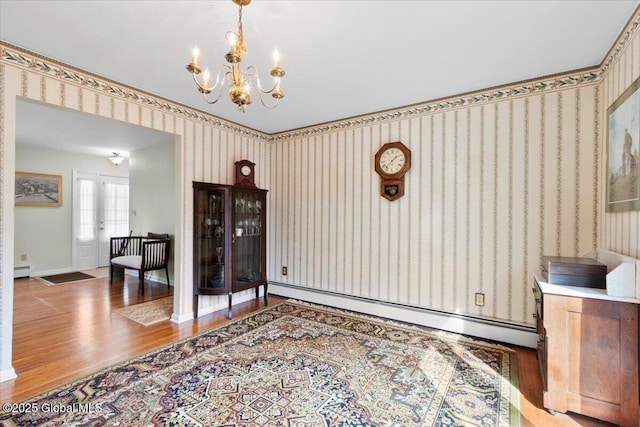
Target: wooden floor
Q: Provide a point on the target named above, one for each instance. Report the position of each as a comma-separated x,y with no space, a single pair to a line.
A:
68,331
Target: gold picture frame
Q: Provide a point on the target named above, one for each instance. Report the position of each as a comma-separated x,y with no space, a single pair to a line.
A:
623,159
38,189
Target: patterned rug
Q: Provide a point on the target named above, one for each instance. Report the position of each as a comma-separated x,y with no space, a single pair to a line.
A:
296,364
148,313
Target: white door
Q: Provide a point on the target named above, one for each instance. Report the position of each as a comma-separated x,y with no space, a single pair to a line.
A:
100,211
113,213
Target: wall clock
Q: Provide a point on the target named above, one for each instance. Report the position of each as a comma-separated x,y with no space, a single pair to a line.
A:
245,174
392,162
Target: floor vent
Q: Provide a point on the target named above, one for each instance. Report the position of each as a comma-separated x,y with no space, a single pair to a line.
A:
24,271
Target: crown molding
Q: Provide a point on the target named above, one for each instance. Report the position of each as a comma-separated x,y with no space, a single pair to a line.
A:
632,26
582,77
23,58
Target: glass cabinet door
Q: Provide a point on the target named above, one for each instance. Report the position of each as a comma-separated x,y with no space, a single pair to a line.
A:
210,217
249,213
229,241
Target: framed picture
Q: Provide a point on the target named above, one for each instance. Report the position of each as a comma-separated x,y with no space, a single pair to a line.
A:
623,140
36,189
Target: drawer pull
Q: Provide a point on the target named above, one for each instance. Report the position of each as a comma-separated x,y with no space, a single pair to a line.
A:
535,315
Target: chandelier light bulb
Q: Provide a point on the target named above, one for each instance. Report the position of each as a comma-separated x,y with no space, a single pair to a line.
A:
276,57
195,54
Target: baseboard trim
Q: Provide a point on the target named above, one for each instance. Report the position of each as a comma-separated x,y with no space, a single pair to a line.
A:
8,374
211,303
52,272
505,332
175,318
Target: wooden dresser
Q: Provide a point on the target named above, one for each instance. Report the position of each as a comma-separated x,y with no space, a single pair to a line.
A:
588,351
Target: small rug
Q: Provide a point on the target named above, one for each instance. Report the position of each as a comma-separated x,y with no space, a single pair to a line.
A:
74,276
148,313
296,364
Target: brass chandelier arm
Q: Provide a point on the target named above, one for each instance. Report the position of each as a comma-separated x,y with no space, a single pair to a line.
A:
274,91
206,90
275,104
252,72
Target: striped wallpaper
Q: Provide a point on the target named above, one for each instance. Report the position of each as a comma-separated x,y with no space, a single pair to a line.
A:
492,188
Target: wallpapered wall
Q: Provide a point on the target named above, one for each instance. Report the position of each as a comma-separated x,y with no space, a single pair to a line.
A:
492,187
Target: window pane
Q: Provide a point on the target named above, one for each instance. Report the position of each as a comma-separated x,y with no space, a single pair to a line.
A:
87,225
116,210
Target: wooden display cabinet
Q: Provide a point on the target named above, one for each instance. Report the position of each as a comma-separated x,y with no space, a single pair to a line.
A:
229,241
588,352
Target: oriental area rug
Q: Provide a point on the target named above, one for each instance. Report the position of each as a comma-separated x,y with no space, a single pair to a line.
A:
296,364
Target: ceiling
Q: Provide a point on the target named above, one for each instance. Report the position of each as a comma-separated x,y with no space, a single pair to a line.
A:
57,128
342,58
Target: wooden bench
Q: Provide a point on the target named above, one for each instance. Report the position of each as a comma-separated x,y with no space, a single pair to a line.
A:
140,253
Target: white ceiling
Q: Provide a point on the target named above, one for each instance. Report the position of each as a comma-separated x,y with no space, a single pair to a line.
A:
56,128
342,58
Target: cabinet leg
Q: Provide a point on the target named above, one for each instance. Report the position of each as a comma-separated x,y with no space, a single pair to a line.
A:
266,297
230,312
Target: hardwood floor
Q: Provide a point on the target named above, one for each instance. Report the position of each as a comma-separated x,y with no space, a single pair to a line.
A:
68,331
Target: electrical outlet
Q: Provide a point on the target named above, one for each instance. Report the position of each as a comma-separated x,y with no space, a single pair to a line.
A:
23,257
284,270
480,299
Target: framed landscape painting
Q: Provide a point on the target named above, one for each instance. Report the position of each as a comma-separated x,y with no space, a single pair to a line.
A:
623,140
36,189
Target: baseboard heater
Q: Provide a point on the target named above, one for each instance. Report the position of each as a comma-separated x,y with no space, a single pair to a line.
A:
507,332
24,271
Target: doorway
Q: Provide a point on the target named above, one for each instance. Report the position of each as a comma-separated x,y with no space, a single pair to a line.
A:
100,211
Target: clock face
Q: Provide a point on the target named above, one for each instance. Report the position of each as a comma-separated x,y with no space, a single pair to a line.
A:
392,160
245,170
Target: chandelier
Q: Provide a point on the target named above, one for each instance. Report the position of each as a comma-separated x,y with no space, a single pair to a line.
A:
238,80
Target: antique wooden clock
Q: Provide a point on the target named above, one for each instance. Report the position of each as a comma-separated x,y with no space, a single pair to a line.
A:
392,162
245,174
